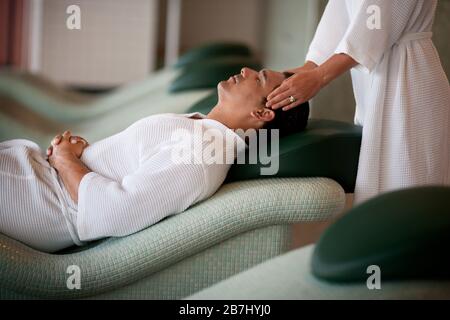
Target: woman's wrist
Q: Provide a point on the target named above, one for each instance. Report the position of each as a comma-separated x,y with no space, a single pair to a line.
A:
309,65
334,67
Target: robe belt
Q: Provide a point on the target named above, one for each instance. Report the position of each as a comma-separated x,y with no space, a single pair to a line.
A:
415,36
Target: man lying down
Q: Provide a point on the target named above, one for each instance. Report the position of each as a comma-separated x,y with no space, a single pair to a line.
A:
129,181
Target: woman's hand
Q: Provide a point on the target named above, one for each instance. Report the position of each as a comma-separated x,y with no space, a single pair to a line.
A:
65,146
302,86
308,81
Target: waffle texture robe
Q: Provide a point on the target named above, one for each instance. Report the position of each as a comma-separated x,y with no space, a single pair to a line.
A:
401,90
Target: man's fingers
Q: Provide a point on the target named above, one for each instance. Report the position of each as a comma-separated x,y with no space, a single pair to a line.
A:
76,139
56,140
67,134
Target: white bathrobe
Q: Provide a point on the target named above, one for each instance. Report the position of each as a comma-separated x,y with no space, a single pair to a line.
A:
402,93
138,178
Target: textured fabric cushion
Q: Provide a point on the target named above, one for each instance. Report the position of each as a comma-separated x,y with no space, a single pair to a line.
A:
209,73
406,233
235,209
213,50
289,277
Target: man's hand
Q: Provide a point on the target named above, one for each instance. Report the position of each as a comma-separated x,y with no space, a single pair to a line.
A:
65,146
64,155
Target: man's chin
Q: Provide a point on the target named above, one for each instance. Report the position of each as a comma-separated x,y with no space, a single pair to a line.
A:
222,86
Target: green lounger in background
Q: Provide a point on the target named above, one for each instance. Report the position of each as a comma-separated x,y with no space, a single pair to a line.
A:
404,233
213,50
213,71
26,124
51,101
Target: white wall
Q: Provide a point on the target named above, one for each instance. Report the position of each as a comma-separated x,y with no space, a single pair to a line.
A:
113,47
221,20
288,30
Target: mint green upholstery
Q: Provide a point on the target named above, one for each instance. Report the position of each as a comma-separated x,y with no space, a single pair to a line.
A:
406,233
213,50
289,277
241,225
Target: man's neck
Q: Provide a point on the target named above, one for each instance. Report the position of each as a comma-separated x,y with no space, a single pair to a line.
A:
216,114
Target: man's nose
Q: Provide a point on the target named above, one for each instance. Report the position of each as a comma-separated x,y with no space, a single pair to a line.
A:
245,72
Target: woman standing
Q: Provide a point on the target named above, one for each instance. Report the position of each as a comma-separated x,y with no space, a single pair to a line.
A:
401,90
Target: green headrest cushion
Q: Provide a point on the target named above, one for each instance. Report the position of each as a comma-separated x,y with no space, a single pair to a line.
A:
208,74
325,149
213,50
405,233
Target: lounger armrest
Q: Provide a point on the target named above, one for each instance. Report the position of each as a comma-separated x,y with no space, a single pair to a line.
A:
234,209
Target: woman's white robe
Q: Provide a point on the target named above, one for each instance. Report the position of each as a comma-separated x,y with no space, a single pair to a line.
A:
401,91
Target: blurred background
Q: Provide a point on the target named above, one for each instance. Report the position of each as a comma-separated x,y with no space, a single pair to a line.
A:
126,41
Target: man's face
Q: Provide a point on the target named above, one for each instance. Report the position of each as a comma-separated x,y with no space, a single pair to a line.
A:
249,89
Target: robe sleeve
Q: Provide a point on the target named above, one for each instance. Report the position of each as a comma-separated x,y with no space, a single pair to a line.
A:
159,188
364,41
329,32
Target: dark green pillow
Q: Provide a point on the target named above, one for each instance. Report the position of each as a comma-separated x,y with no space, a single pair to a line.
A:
406,233
325,149
209,73
213,50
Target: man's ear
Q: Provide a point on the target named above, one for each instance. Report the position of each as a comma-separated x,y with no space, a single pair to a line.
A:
263,114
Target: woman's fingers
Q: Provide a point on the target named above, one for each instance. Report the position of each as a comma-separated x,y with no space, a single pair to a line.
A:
283,100
67,134
293,105
281,89
49,151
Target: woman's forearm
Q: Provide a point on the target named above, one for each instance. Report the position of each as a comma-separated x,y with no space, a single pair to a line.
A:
72,170
335,66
